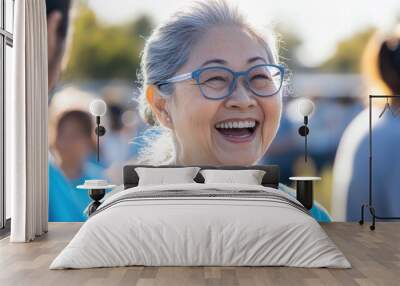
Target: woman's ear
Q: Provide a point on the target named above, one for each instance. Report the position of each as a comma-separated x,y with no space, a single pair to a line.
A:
158,105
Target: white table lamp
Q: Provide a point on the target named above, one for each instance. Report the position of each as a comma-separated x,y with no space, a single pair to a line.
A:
98,108
305,108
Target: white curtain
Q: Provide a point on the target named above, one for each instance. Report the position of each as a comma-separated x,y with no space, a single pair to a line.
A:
26,124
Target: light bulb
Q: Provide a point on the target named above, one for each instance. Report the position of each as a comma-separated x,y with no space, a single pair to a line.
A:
98,107
306,107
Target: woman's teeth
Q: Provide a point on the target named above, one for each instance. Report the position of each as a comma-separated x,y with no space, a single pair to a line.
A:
237,131
236,124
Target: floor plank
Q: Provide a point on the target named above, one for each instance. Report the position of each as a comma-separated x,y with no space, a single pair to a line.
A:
374,255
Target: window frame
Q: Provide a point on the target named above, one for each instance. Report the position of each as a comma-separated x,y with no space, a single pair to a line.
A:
6,39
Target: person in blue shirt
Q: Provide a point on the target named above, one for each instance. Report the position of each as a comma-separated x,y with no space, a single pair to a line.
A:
68,167
71,167
66,204
381,66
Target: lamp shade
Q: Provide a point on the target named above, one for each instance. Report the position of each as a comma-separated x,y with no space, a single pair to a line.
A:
98,107
306,107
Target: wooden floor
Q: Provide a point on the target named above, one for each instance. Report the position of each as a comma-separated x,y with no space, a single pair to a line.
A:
374,255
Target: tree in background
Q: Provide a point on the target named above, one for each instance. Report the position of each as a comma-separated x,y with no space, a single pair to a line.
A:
348,53
100,51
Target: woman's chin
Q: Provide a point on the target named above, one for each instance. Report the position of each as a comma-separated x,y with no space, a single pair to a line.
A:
237,150
245,159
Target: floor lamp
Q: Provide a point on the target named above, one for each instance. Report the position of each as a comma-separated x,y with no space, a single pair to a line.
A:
369,205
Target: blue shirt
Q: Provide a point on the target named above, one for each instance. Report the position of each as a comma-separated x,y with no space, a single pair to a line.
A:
319,213
385,171
66,202
351,169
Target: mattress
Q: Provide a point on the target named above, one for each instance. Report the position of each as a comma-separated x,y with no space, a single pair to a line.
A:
201,225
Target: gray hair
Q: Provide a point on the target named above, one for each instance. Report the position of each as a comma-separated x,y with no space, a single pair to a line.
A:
169,47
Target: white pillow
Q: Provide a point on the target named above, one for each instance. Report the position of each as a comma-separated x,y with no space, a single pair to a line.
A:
248,177
162,176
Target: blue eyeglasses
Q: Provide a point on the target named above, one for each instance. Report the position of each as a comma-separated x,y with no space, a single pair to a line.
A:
218,82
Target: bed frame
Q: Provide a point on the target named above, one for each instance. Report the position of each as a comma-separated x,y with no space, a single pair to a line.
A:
270,179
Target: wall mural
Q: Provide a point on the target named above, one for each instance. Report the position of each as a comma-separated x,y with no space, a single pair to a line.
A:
208,86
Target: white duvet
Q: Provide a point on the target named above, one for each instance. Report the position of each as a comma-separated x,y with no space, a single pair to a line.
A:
206,230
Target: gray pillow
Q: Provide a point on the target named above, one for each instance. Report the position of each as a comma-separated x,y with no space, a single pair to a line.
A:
248,177
162,176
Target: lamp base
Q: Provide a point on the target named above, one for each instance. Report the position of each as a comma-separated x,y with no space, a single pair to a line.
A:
303,130
100,130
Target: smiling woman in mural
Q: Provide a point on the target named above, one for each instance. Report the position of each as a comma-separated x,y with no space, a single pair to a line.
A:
211,90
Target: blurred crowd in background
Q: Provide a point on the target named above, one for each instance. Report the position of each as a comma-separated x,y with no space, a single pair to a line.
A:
102,60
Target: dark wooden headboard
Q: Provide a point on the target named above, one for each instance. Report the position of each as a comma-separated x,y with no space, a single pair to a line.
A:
270,179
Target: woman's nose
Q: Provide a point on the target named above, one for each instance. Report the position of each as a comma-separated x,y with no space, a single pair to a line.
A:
241,98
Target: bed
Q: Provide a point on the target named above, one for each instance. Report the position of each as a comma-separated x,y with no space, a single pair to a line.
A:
201,224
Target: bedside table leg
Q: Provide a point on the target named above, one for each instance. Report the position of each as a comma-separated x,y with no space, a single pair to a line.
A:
304,193
96,195
93,207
